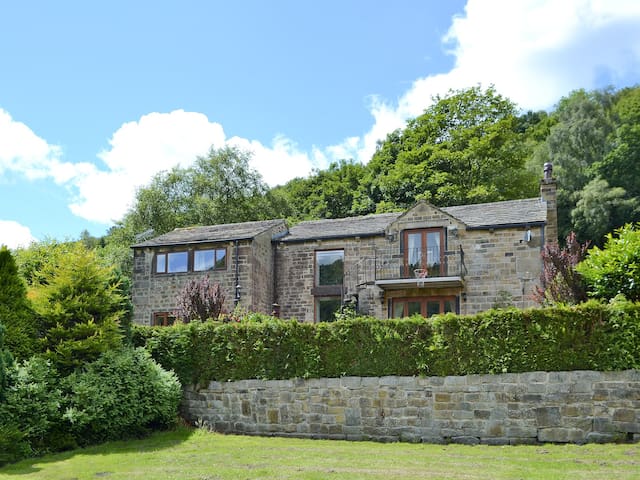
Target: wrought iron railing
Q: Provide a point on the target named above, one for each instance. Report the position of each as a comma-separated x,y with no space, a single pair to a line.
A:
419,263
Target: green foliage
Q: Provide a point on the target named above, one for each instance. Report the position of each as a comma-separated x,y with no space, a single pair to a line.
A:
16,313
80,304
588,336
466,148
124,393
219,188
615,269
31,415
6,363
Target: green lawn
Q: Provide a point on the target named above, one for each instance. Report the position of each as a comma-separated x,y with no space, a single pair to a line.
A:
197,454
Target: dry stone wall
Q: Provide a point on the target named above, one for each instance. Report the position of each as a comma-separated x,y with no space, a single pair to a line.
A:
526,408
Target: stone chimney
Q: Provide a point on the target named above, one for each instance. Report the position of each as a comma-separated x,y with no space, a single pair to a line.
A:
548,194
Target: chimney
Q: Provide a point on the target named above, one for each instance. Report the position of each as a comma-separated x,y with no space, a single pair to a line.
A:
548,194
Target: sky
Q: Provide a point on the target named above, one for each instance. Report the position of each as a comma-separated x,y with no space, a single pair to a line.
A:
98,97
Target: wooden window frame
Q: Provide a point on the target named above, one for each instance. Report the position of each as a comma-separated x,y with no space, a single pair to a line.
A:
423,303
424,232
219,253
163,319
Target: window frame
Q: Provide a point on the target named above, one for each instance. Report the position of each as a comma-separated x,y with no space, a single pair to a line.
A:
424,250
316,309
163,319
220,255
216,258
424,300
316,267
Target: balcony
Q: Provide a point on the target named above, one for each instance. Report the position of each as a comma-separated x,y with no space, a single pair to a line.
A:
430,267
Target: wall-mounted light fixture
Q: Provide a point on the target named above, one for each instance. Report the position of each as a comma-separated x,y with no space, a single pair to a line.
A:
453,230
527,236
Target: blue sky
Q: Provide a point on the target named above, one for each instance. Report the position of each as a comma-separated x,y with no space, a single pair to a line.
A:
96,97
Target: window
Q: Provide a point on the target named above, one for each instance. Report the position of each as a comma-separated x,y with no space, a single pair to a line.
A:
425,306
191,260
424,252
326,308
163,319
172,262
214,259
329,267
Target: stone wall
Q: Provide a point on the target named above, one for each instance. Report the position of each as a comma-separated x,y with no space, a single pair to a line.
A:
536,407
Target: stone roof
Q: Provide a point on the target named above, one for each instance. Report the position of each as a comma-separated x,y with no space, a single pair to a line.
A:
482,215
496,214
212,233
341,227
530,211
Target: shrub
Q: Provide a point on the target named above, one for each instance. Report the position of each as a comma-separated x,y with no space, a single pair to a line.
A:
23,329
200,300
6,363
124,393
561,282
30,416
588,336
615,269
80,304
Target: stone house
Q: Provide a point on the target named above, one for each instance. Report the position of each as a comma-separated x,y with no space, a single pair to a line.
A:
426,260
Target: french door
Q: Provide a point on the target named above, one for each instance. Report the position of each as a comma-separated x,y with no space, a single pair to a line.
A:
424,252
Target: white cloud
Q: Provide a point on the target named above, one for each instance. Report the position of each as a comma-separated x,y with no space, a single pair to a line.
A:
533,51
160,141
14,235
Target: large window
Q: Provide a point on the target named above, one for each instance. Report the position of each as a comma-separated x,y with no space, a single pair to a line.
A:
326,308
329,267
424,252
172,262
425,306
191,260
214,259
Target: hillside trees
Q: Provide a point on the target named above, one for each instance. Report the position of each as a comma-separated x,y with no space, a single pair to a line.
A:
591,145
335,192
465,148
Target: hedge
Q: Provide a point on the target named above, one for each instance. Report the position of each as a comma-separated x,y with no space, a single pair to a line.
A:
591,336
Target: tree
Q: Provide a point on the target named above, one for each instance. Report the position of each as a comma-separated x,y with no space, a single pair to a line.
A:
6,362
80,306
560,281
615,269
200,300
332,193
16,312
465,148
599,207
219,188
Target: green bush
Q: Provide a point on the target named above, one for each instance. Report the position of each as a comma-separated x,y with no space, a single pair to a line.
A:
591,336
16,313
124,393
30,416
615,269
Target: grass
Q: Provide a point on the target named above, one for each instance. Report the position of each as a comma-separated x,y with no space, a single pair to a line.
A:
197,454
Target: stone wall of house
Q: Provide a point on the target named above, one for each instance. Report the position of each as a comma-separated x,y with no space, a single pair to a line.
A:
261,275
153,292
537,407
503,268
296,273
